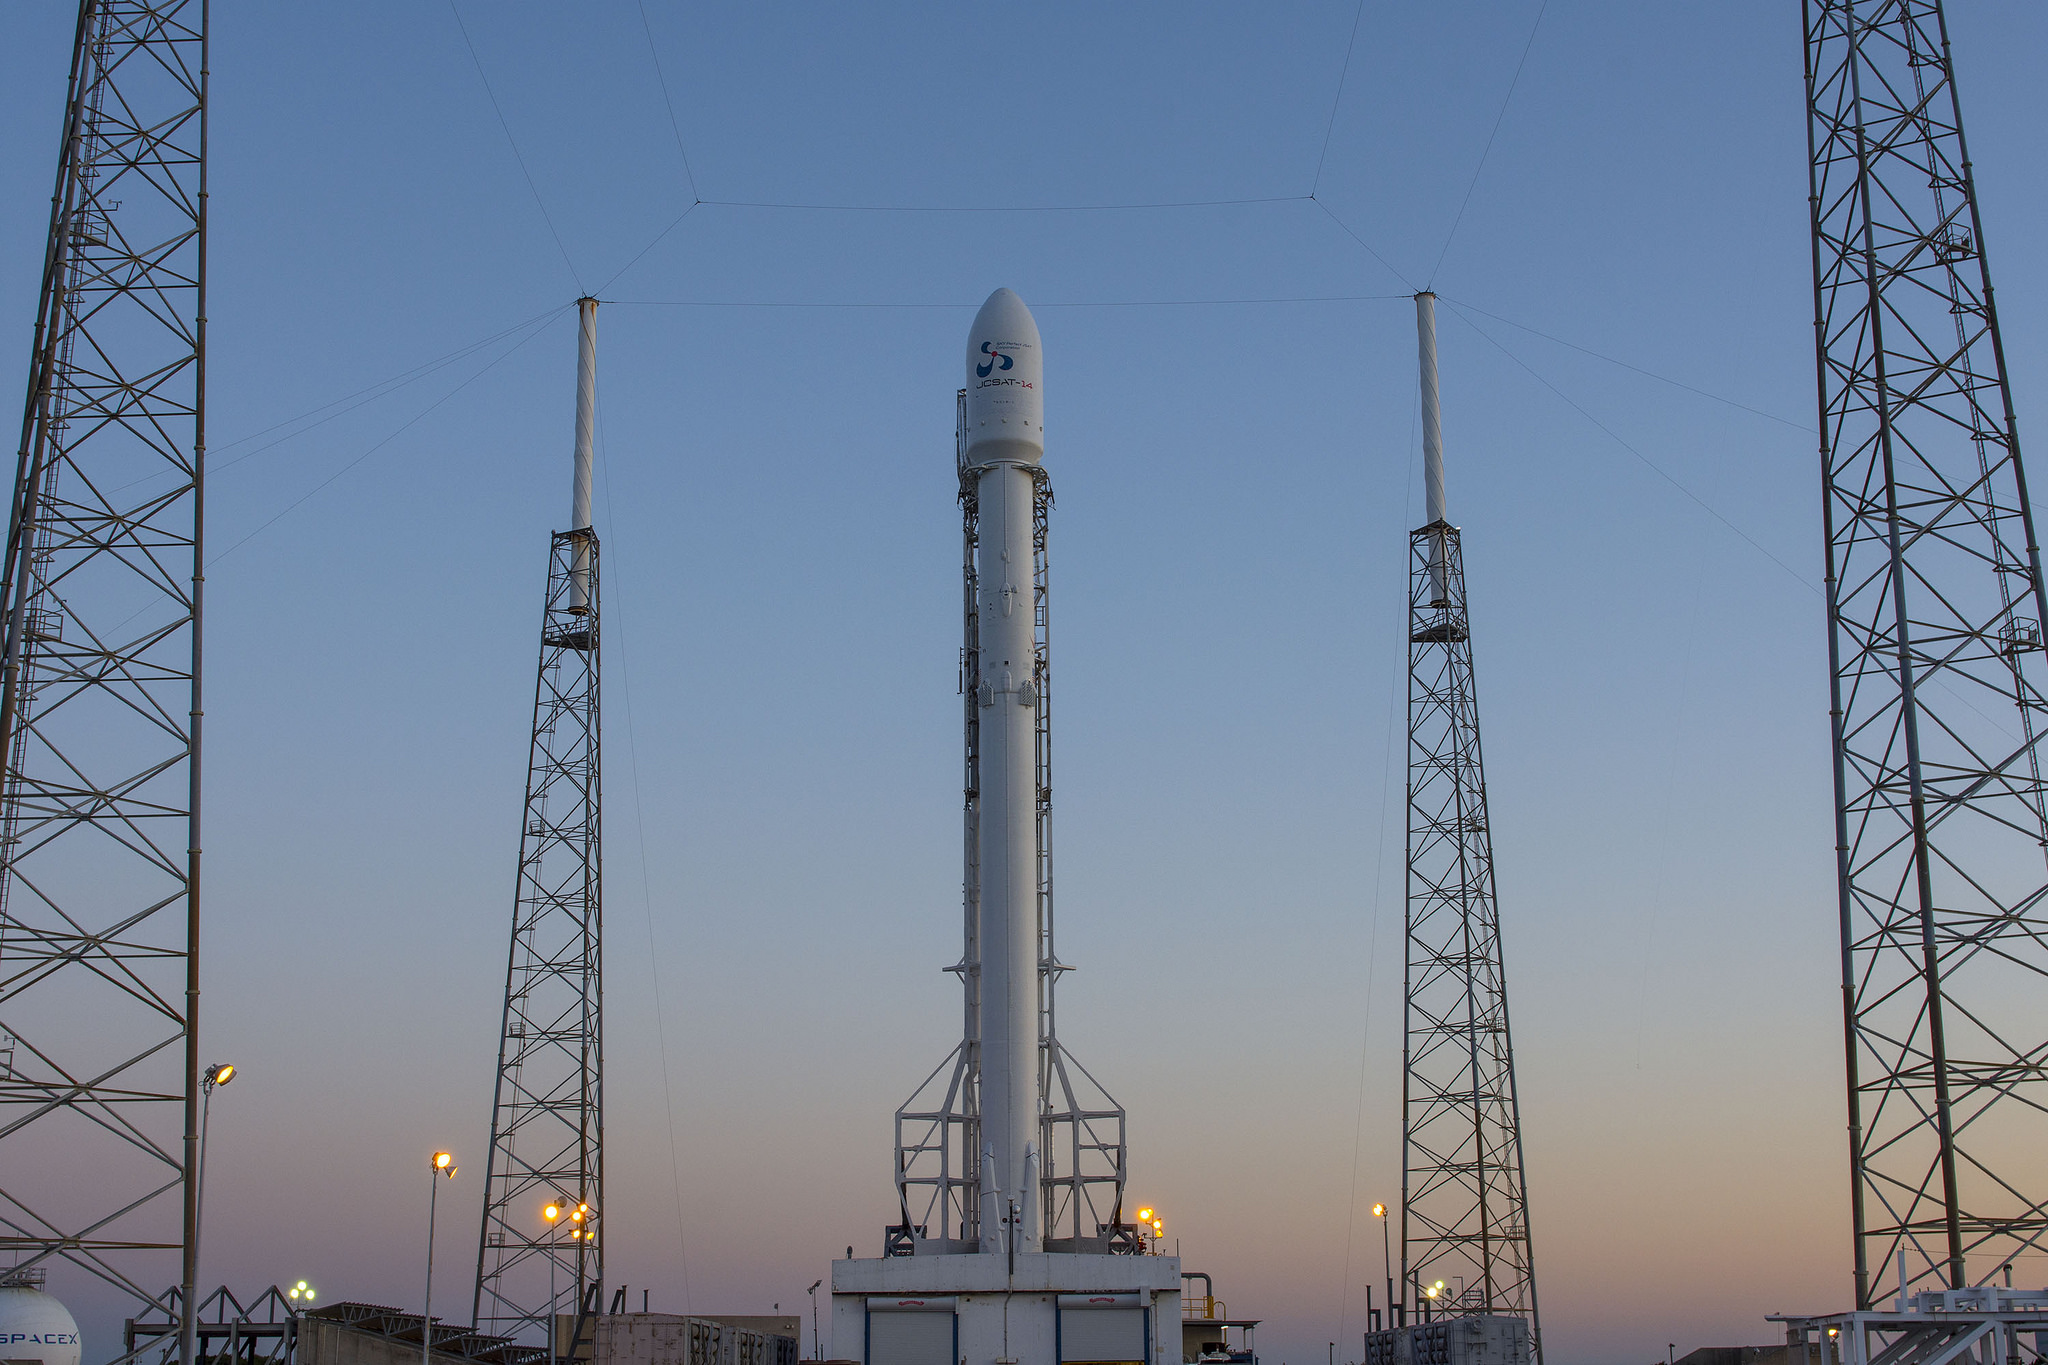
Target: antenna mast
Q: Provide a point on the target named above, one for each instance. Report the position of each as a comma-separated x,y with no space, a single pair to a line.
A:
547,1120
1934,615
1464,1214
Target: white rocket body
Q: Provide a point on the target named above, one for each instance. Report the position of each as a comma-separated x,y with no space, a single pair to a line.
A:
1005,439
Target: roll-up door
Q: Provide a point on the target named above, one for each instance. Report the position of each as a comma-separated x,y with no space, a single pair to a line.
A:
1102,1329
910,1331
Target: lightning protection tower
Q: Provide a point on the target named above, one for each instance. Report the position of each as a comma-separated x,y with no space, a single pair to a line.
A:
547,1120
1935,606
1464,1212
99,691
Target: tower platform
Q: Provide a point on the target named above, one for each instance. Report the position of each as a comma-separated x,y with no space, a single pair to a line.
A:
1038,1308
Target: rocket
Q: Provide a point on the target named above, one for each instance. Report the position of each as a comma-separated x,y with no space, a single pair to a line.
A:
1005,442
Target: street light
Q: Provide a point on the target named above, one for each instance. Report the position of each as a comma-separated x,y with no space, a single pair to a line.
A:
1379,1211
440,1164
553,1213
300,1293
218,1074
816,1354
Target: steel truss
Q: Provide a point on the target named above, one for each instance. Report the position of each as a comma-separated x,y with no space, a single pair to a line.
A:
264,1332
1935,607
1080,1127
1464,1214
547,1120
100,686
1986,1325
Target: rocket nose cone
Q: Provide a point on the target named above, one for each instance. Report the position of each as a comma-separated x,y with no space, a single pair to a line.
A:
1005,311
1005,382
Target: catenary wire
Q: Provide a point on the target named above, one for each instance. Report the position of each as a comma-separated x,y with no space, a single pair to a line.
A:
1612,360
368,394
673,125
1346,227
1372,949
613,626
1103,303
1651,464
397,431
513,142
1005,208
1506,99
1337,101
344,405
658,238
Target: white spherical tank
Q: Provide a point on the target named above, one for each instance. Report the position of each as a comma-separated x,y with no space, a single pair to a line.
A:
1005,383
34,1326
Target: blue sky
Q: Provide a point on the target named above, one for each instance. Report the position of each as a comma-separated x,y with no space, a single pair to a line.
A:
1234,484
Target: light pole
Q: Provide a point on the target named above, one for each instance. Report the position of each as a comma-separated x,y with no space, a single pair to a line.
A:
816,1349
1149,1218
552,1213
442,1163
582,1234
218,1074
1379,1211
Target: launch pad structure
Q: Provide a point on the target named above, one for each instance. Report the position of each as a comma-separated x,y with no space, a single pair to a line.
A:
1011,1242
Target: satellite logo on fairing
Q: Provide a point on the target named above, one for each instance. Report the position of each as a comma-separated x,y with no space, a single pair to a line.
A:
996,360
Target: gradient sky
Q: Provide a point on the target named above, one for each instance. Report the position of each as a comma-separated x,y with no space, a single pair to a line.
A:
1234,485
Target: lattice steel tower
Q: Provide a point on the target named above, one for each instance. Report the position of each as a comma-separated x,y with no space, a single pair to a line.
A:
99,690
547,1120
1934,610
1464,1211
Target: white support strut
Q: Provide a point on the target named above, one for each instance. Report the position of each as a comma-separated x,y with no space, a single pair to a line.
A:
586,444
1432,439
